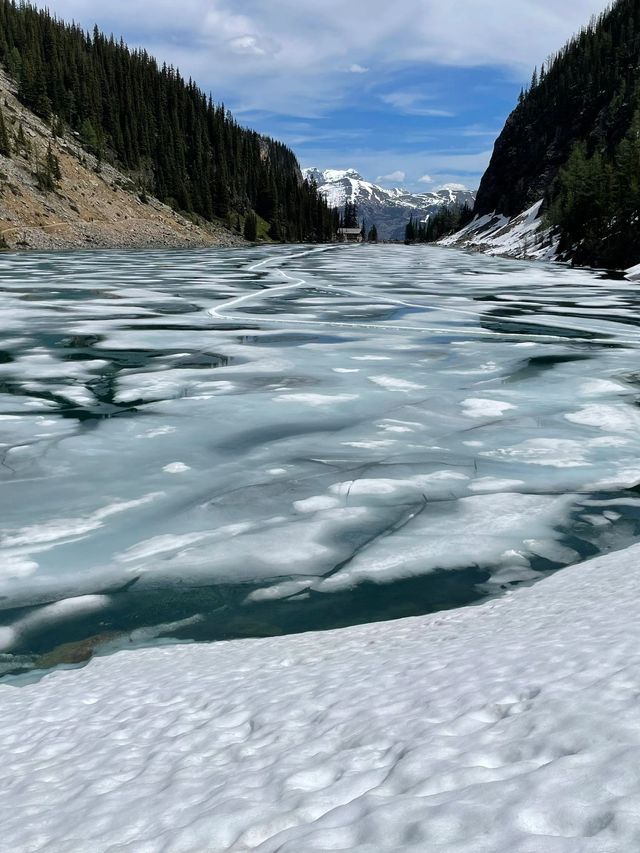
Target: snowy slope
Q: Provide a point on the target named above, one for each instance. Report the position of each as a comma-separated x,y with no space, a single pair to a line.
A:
389,209
523,236
513,726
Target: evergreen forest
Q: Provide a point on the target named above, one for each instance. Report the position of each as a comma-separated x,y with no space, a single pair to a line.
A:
163,130
447,220
574,140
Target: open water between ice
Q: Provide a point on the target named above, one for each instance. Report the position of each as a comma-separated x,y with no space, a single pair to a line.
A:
218,444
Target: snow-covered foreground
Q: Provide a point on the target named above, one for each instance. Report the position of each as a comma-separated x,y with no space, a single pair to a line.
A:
513,727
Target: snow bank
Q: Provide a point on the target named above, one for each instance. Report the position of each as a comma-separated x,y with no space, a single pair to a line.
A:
520,237
508,727
633,273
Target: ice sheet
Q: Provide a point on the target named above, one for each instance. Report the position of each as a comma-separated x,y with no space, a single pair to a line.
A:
219,423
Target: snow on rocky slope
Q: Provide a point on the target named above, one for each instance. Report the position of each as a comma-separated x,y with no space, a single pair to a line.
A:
513,726
523,236
389,209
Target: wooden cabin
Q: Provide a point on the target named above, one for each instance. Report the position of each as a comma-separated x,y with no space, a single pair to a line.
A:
349,235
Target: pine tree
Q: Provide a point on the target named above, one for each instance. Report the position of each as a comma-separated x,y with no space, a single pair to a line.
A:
52,165
410,231
5,145
350,219
251,227
21,140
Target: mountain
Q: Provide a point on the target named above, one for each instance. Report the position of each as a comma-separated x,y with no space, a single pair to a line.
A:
573,143
164,135
389,209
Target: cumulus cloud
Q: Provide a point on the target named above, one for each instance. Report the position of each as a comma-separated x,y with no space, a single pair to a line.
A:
394,177
358,69
286,55
426,179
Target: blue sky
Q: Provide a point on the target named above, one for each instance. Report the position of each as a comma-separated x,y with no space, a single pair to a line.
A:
409,94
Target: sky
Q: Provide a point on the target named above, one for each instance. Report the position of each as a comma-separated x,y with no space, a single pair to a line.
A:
411,93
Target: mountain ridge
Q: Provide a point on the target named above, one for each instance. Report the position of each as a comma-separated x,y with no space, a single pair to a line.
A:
389,209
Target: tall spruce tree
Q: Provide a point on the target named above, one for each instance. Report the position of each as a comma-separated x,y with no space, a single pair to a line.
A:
5,145
251,227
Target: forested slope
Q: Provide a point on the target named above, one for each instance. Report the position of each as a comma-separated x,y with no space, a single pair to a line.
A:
172,139
574,140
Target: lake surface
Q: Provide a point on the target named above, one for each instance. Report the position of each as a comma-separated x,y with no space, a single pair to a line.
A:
216,444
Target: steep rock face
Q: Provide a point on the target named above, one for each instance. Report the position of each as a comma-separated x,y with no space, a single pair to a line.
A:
389,209
522,167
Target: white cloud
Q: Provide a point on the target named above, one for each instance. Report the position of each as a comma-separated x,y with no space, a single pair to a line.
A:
426,179
358,69
394,177
253,45
414,103
286,56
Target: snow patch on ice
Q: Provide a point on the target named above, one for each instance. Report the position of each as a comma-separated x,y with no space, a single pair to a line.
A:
611,418
176,468
315,400
51,613
476,407
394,383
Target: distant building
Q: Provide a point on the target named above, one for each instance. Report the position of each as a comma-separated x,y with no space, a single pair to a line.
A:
349,235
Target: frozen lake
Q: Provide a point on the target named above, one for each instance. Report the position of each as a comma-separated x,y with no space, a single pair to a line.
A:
217,444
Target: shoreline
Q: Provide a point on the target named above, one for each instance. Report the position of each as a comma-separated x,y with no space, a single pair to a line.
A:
284,743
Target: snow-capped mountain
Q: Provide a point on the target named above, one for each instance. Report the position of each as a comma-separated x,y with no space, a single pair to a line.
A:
389,209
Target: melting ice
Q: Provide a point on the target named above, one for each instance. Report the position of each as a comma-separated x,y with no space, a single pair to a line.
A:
214,444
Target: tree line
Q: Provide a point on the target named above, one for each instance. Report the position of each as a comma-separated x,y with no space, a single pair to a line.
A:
447,220
349,218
